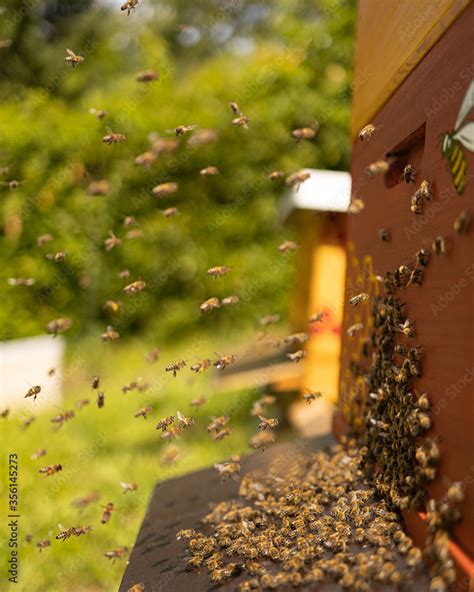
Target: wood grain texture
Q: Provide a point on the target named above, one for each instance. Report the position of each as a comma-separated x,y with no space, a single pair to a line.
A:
393,36
443,306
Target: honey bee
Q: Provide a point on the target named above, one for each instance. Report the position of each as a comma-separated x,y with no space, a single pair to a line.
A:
82,502
230,300
316,318
119,552
169,212
218,271
5,413
351,331
26,422
113,138
128,486
269,320
58,257
367,131
422,257
424,190
296,356
164,189
180,130
175,367
229,469
146,159
110,334
33,392
201,366
171,455
183,421
295,179
409,174
287,246
305,133
267,423
153,355
67,533
296,338
416,204
107,513
51,470
218,422
455,492
198,402
112,306
38,453
439,246
147,76
262,440
309,396
134,234
99,113
73,59
21,281
164,423
221,434
276,175
209,171
384,234
13,184
356,300
462,222
43,239
234,108
40,545
62,418
81,403
143,412
377,168
356,206
112,241
101,187
124,274
224,360
140,587
134,288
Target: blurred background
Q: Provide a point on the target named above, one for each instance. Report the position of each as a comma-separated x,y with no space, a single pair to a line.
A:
288,65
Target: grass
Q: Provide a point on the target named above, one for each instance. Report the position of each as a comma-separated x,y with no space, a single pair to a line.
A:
98,448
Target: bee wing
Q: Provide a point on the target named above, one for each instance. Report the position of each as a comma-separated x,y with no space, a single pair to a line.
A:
466,106
71,53
180,416
466,136
61,527
170,131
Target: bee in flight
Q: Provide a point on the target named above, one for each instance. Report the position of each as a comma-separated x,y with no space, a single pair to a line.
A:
165,189
366,132
43,544
218,271
175,367
134,288
305,133
128,486
58,326
229,469
453,143
110,334
107,513
201,365
210,304
51,469
73,59
120,552
129,6
38,453
198,401
310,396
21,281
209,171
147,76
34,391
143,412
267,423
180,130
356,300
113,138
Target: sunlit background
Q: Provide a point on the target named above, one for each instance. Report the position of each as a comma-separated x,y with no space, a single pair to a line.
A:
288,65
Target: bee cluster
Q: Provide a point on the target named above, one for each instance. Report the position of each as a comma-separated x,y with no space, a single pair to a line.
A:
321,523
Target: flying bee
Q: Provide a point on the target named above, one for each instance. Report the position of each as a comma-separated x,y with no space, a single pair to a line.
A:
209,171
276,175
230,300
5,413
164,423
124,274
384,234
309,396
351,331
107,513
95,383
409,174
99,113
171,455
221,434
38,453
316,318
81,403
58,257
58,326
305,133
175,367
62,418
21,281
367,131
295,179
287,246
356,300
297,356
267,423
234,108
439,246
296,338
241,121
113,138
134,288
209,304
356,206
153,355
73,59
51,372
134,234
146,159
224,360
42,239
378,168
454,143
462,223
269,319
119,552
262,440
101,187
164,189
128,486
218,422
143,412
33,392
26,422
40,545
201,366
422,257
67,533
110,334
112,306
112,241
51,470
147,76
180,130
183,421
169,212
198,402
218,271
